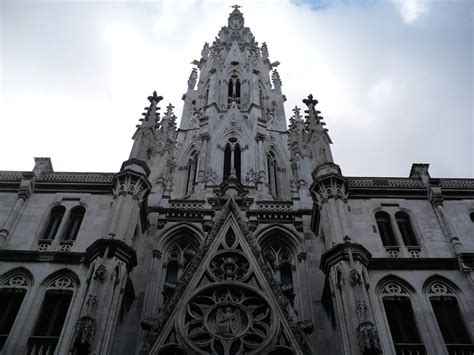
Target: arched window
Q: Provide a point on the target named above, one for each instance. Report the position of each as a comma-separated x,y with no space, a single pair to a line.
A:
237,161
385,229
176,261
232,159
191,177
54,220
273,180
448,316
74,223
12,292
406,229
282,262
233,90
227,160
401,319
52,315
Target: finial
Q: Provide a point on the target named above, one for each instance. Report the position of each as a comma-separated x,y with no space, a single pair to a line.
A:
155,98
297,112
312,113
236,7
169,109
264,50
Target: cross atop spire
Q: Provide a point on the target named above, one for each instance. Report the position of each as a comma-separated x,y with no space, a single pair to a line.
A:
236,7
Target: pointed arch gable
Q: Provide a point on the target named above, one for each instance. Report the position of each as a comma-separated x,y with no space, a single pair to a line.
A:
291,238
395,279
168,236
18,271
438,278
61,273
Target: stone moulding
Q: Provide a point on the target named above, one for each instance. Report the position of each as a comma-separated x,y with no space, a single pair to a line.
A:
115,248
169,307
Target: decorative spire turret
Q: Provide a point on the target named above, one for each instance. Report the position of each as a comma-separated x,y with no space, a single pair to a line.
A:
276,80
318,134
145,135
192,79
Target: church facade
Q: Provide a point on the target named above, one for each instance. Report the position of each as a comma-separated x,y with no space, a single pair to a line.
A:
234,234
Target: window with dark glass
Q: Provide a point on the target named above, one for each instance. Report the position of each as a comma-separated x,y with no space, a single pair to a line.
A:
172,272
227,160
237,159
450,321
50,321
192,173
472,216
401,321
74,223
385,229
286,275
406,229
10,303
54,220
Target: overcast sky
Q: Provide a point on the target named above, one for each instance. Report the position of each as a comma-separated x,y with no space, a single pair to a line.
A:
394,79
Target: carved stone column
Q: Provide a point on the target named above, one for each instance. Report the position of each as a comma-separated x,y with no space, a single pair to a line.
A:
202,162
111,260
346,268
436,198
26,189
262,178
345,264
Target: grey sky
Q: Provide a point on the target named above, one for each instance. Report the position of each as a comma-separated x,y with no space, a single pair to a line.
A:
394,79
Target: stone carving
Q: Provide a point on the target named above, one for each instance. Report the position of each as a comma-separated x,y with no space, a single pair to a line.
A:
368,338
91,304
355,277
100,272
229,266
85,330
227,320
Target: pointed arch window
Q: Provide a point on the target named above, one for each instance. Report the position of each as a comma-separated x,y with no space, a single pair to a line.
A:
191,177
12,292
282,262
406,229
52,315
401,319
227,160
449,318
384,225
233,90
176,261
54,220
232,159
74,223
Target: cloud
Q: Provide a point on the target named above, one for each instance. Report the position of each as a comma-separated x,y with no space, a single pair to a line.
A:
411,10
391,94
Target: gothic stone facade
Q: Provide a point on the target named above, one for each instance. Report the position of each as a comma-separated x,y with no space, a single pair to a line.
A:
234,234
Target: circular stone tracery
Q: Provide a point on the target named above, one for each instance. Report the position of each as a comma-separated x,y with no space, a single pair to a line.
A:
229,266
227,319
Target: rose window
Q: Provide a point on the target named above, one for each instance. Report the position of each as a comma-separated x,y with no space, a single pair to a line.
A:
229,266
227,320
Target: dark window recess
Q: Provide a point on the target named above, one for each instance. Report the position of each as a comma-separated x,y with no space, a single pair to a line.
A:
54,220
385,229
450,321
401,321
286,275
74,223
227,158
472,216
172,272
10,303
406,229
53,313
230,91
237,160
50,322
